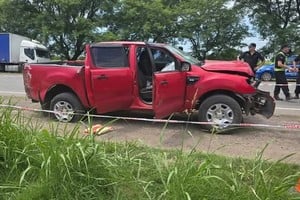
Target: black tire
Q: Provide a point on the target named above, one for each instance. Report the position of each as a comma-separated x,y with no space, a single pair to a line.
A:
209,109
68,103
266,76
2,68
20,68
45,106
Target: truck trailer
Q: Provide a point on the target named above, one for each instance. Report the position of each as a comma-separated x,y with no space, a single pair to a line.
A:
15,50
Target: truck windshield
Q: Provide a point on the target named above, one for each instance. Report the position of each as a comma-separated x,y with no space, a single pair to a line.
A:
42,53
187,57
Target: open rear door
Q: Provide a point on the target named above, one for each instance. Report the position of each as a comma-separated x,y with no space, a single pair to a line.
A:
169,93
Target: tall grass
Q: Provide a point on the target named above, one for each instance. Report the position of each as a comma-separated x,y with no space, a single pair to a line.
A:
39,163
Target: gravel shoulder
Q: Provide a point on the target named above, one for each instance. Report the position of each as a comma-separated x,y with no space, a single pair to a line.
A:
243,142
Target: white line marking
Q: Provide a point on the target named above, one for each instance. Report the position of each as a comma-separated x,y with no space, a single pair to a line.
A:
280,108
8,92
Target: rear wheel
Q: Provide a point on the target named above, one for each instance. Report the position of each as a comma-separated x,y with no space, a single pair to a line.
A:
266,76
220,111
2,68
45,107
20,67
66,108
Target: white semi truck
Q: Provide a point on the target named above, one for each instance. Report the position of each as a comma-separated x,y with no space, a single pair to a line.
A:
15,50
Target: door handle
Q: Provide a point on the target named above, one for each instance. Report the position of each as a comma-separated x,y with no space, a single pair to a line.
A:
102,77
164,82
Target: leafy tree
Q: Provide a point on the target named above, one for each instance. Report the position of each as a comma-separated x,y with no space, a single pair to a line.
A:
213,27
151,20
71,24
17,17
64,25
277,21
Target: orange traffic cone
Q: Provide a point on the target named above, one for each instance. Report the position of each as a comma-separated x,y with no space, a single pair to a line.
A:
297,187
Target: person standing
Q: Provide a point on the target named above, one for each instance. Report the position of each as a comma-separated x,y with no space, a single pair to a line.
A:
280,67
252,57
297,89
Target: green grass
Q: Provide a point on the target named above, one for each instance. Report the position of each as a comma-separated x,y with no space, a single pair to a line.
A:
39,163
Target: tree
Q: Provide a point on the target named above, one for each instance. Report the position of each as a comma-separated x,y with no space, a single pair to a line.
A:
62,24
151,20
65,26
68,25
17,17
212,27
277,21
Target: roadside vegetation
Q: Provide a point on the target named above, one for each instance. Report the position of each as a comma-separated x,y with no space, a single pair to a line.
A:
39,163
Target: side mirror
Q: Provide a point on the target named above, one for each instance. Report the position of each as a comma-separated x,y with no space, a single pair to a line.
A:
185,67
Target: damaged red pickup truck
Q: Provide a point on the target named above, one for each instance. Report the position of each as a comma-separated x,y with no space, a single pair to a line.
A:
126,75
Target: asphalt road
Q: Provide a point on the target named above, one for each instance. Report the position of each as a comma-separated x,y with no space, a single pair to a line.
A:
11,84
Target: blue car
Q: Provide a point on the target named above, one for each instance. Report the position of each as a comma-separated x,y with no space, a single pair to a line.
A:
266,72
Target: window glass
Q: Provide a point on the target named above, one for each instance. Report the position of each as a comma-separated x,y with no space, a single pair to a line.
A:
290,60
29,53
187,57
42,53
163,60
110,56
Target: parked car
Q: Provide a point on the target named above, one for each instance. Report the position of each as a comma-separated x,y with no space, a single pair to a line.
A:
141,76
266,72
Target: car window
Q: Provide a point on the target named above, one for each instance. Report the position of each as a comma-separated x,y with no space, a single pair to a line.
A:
29,53
42,53
163,60
290,60
110,57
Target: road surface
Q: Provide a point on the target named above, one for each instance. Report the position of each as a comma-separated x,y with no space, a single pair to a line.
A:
11,84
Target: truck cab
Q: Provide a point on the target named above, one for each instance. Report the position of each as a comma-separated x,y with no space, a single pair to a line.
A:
15,50
33,52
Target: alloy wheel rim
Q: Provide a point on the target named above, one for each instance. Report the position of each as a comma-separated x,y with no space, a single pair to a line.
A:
266,77
63,111
220,115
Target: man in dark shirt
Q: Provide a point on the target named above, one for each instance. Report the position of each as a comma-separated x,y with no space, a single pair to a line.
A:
252,57
280,67
295,63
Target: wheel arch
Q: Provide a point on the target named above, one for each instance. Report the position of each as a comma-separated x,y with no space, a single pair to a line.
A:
55,90
231,94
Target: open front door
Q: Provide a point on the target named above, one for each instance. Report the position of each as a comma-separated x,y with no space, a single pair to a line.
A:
169,93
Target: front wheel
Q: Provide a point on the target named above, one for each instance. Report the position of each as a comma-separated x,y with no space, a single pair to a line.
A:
66,108
219,111
266,76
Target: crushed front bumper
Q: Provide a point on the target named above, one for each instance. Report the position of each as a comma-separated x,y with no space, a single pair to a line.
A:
260,103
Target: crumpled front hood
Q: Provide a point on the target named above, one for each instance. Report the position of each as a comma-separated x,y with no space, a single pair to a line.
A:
232,67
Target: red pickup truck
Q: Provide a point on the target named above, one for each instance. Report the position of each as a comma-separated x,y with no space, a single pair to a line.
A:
126,75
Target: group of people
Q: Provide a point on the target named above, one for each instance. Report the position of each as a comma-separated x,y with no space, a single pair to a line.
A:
256,60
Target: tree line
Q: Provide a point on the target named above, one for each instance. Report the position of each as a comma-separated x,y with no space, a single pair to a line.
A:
214,28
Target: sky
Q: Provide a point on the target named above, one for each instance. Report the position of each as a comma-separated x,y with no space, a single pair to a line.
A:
259,42
254,39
